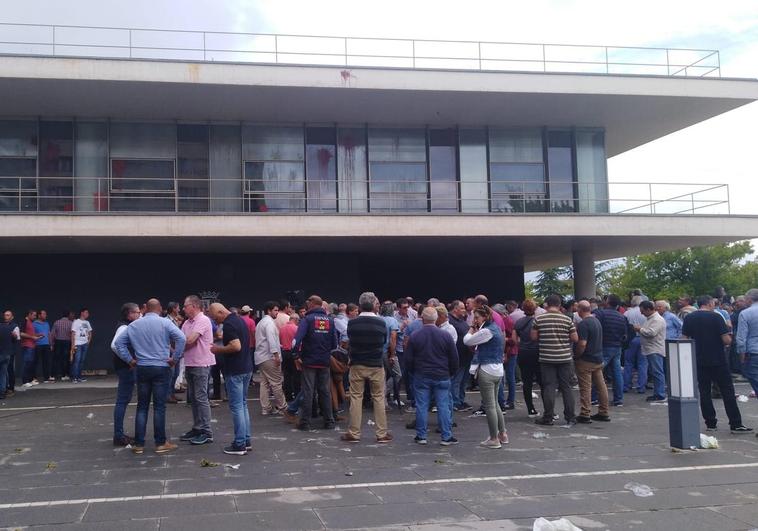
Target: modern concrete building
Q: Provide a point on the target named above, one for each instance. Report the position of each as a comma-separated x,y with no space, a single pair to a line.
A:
160,166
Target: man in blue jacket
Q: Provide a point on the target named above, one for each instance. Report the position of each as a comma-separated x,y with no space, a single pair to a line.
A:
315,340
433,358
150,337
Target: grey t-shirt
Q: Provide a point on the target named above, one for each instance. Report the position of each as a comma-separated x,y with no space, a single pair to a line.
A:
591,330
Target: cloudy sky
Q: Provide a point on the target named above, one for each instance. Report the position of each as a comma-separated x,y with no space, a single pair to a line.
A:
720,150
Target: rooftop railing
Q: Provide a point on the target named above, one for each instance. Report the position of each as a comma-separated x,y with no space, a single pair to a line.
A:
112,195
265,48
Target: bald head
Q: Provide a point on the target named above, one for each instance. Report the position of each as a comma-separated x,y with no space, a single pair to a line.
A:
153,306
584,308
218,312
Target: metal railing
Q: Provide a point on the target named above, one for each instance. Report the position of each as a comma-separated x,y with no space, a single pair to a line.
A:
103,195
184,45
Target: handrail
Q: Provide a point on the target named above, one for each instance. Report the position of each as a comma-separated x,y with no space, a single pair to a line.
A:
71,195
479,55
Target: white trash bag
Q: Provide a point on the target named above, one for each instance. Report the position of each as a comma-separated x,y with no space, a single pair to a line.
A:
640,490
562,524
708,442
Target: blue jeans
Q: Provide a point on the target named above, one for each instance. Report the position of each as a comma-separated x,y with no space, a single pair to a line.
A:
407,378
236,391
294,406
749,370
659,378
458,389
124,394
425,388
80,354
152,382
510,377
30,364
633,358
612,359
4,362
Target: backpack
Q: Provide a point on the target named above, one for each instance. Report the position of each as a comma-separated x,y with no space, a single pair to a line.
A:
524,333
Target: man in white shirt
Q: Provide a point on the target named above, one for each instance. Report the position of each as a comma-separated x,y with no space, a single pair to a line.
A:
444,324
81,336
633,358
268,359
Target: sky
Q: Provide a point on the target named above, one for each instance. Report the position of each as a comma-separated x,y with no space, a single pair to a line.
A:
719,150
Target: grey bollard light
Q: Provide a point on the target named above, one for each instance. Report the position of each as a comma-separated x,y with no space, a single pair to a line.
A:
684,402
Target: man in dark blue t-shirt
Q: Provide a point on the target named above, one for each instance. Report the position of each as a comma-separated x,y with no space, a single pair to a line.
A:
588,358
238,369
615,328
711,335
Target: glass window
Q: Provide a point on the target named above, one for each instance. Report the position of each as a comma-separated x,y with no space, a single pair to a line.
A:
226,168
473,161
192,159
592,178
18,138
263,142
142,185
561,171
517,187
274,187
443,169
17,193
56,159
352,173
515,145
398,187
91,166
142,140
397,145
398,170
321,170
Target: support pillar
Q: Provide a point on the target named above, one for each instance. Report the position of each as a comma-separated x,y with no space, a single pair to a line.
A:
584,274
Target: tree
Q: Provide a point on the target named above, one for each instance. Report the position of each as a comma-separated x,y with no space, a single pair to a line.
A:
693,271
554,280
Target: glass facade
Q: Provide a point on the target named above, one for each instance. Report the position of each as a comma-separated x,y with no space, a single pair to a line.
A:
100,166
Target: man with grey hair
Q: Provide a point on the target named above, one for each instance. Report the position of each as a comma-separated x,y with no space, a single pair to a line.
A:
433,359
367,335
747,339
673,323
633,358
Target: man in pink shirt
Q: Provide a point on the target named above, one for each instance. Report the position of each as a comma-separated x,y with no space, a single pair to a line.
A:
245,312
198,361
291,375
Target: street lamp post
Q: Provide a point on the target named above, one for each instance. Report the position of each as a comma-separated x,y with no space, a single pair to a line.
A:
684,418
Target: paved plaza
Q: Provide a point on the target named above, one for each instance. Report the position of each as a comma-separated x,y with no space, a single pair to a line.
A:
59,470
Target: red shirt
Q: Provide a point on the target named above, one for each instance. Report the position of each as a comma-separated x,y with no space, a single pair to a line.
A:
250,328
287,334
29,329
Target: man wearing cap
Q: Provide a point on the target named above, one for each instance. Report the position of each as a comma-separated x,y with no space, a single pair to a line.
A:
246,315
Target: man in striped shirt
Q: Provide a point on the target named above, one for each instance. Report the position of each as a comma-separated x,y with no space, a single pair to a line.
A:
556,333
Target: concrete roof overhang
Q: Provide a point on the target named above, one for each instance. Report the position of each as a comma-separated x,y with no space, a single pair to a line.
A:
534,241
633,109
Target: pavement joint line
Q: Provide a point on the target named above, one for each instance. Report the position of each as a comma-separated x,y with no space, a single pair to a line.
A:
283,490
81,406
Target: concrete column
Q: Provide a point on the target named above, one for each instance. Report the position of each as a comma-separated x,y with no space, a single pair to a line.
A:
584,274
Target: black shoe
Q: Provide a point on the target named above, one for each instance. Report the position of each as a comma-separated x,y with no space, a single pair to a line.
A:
601,418
419,440
189,435
329,425
235,450
618,404
509,406
655,398
711,428
581,419
124,440
248,445
502,407
595,402
739,430
201,439
302,426
544,421
448,442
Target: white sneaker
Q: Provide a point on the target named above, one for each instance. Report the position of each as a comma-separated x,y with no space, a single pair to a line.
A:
34,382
491,444
27,385
65,379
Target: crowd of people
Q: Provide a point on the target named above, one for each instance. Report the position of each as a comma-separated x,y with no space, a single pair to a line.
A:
321,363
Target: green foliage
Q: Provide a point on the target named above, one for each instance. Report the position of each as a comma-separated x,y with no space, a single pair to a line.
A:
692,271
554,280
